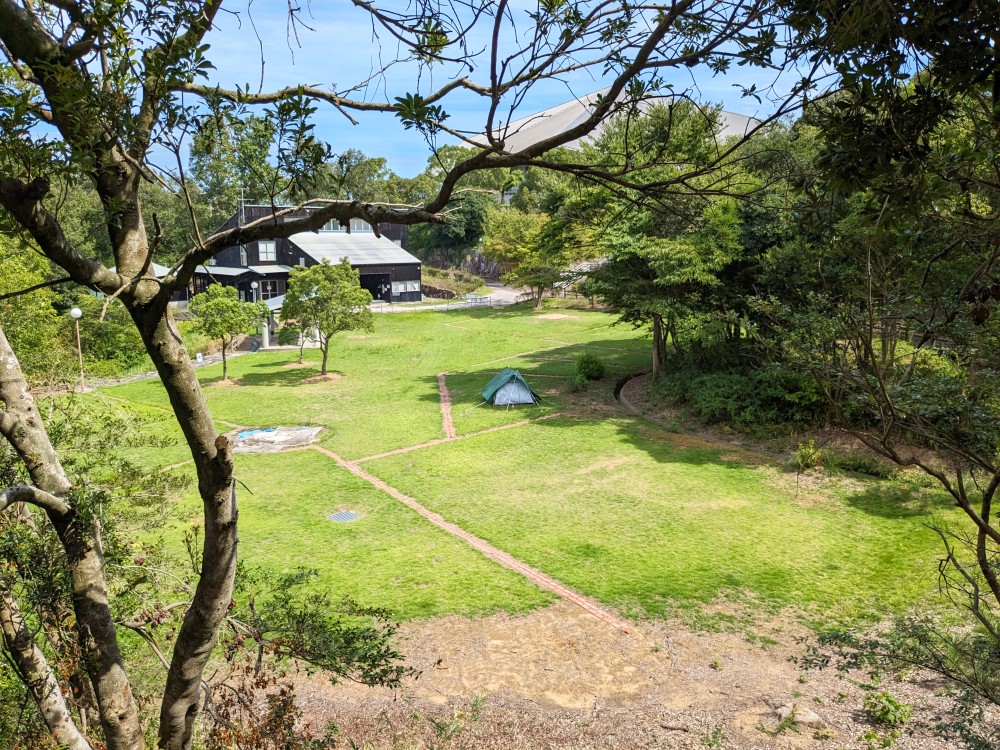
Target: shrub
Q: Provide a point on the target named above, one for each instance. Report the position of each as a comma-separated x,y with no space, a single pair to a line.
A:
288,335
865,463
808,456
885,710
745,399
578,382
589,367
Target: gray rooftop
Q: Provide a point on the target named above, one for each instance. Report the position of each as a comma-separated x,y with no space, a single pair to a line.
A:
360,248
222,270
265,270
540,126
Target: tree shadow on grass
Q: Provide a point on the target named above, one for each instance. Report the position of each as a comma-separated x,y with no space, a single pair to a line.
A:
896,500
279,374
550,373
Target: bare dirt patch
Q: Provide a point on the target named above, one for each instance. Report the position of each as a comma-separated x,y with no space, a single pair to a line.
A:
297,365
227,383
555,316
330,377
560,678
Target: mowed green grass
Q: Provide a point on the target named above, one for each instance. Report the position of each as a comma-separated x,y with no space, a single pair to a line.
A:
621,510
616,510
390,557
386,392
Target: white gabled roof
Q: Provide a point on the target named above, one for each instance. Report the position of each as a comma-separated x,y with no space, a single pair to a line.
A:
543,125
360,248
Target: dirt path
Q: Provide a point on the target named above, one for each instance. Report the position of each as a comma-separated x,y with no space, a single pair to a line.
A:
537,577
446,423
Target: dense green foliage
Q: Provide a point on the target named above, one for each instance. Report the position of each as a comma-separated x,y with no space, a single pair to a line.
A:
327,299
222,316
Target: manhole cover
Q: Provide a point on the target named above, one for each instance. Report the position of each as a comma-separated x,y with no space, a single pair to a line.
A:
343,516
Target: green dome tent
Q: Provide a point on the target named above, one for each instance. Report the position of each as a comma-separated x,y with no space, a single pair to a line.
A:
509,388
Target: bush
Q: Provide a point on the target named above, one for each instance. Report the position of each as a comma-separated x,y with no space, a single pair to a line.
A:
885,710
864,463
459,282
589,367
578,382
288,335
745,400
808,456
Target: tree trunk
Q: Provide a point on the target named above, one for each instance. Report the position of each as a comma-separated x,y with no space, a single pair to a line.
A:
23,427
38,676
538,296
302,345
657,345
224,363
213,461
325,348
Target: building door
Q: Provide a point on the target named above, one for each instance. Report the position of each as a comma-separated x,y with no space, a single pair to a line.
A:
378,284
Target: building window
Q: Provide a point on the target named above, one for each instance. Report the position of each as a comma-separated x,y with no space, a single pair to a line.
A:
413,286
360,225
267,250
331,226
243,255
198,284
270,288
398,287
302,261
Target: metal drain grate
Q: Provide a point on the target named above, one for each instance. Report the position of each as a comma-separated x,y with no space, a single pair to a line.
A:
343,516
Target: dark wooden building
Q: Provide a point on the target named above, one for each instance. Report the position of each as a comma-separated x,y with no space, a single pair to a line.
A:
386,267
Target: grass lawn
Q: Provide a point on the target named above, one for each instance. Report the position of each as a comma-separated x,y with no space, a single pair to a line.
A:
617,510
630,514
390,557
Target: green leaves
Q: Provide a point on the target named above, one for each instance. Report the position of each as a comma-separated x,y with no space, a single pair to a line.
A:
415,113
326,299
221,314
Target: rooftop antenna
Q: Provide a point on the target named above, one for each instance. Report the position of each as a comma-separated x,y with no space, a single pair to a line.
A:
243,217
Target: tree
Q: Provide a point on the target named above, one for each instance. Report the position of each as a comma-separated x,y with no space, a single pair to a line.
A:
30,321
899,331
223,316
351,175
326,299
89,93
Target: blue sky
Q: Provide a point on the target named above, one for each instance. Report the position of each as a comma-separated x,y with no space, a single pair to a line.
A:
342,50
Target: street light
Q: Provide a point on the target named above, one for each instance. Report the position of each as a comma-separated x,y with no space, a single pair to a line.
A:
76,313
264,330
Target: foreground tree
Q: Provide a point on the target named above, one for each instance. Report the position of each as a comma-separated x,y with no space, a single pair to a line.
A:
901,331
88,90
326,299
223,316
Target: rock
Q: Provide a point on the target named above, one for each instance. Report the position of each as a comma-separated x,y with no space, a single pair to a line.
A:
800,715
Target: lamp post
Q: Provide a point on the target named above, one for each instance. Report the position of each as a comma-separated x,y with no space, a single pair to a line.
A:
265,332
76,313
